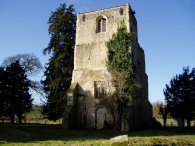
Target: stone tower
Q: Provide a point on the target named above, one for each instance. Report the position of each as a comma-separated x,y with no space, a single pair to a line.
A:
91,79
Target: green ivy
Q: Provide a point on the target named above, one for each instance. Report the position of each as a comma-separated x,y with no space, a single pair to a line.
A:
120,63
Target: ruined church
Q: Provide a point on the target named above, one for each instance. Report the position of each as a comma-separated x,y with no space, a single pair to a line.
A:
91,80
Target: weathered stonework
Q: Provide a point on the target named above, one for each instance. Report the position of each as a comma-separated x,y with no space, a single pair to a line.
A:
90,73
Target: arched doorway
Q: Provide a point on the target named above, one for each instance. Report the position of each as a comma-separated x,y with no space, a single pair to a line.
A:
100,117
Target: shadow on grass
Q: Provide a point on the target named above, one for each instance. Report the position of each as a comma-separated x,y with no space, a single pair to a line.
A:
35,132
168,131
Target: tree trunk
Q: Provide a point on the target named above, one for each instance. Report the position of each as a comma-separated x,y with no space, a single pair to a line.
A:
165,121
180,122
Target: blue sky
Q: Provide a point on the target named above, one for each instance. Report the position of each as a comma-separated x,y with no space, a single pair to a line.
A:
166,30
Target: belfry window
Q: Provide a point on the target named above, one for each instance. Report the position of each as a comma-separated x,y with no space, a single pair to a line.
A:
101,25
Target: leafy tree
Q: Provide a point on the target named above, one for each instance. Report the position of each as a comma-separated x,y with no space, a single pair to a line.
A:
121,67
160,110
58,73
14,91
163,110
180,95
31,65
29,62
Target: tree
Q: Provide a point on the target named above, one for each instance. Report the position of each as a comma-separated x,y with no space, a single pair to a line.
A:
180,96
160,110
121,67
29,62
31,65
14,91
155,109
58,73
2,91
163,110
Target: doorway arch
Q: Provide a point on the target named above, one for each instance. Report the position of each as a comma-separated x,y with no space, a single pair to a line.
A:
100,117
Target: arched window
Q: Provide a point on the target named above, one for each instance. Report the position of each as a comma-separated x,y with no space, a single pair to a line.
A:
101,24
99,28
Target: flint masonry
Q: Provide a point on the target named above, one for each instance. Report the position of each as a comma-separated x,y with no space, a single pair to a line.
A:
91,80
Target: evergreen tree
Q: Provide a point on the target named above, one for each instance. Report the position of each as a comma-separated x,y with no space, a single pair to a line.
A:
121,67
2,91
58,73
180,95
14,92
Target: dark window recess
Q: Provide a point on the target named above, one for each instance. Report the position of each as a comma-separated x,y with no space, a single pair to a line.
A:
83,18
121,11
101,25
100,92
100,89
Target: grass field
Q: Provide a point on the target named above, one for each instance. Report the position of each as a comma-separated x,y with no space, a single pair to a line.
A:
40,135
173,122
33,117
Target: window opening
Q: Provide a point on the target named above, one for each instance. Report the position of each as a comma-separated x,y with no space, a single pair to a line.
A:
121,11
101,89
101,25
83,18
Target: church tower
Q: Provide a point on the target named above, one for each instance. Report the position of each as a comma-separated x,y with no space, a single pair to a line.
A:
91,80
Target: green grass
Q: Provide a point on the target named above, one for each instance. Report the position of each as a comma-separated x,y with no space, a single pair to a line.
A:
173,122
168,120
35,112
36,135
34,117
